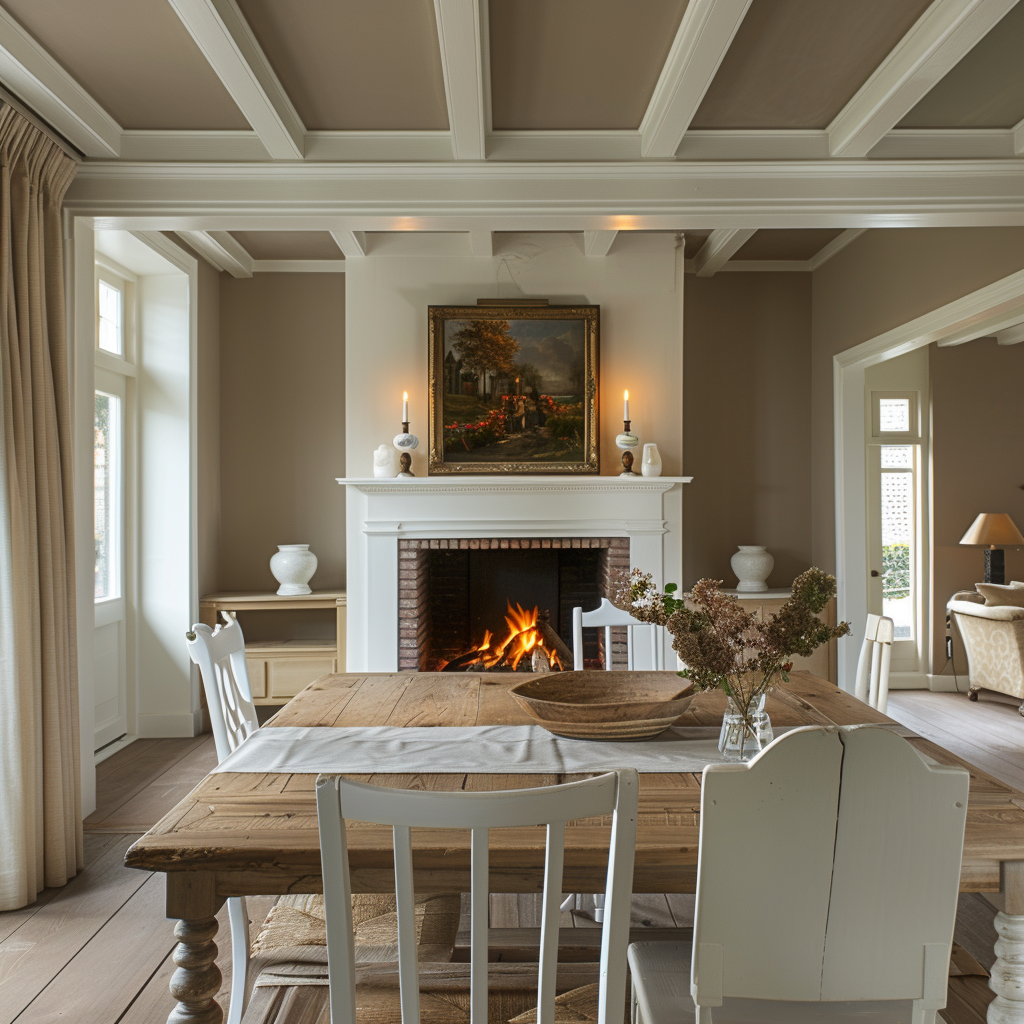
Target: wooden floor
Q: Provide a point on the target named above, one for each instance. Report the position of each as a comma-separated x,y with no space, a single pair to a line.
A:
97,951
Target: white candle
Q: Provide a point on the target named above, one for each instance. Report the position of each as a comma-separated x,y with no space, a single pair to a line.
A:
625,405
405,406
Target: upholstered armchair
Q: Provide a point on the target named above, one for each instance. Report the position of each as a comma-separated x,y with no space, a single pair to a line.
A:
993,637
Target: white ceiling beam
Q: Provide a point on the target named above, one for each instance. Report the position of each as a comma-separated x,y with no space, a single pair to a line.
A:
1011,336
227,42
298,266
597,243
482,243
994,327
936,43
461,31
1018,138
351,243
719,248
704,36
840,242
46,88
221,251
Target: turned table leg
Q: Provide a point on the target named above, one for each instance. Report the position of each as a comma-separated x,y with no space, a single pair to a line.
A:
1007,980
191,897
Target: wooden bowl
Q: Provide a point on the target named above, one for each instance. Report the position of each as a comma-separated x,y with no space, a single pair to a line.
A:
596,705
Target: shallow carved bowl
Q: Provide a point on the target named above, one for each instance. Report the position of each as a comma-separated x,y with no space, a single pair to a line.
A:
596,705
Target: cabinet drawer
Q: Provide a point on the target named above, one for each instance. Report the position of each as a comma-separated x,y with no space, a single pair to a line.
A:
256,669
286,676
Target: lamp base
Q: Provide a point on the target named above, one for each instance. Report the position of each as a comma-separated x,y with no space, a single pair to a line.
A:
995,565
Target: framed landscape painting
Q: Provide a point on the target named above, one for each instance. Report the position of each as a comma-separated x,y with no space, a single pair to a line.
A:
513,389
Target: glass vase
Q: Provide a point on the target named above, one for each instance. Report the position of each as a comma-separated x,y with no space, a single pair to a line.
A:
743,737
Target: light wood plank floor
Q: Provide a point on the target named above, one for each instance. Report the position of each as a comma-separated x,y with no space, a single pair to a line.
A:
97,951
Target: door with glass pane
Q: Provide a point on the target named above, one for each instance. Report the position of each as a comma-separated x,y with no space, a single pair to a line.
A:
893,492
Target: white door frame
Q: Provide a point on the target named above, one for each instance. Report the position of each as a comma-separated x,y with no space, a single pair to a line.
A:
976,315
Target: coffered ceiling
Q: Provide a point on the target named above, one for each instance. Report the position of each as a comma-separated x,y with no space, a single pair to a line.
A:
764,129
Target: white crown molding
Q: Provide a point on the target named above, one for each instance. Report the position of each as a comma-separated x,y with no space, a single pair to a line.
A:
705,33
837,244
221,251
47,89
719,248
754,144
461,31
598,243
227,42
1018,138
945,144
937,42
373,147
559,146
169,146
458,196
298,266
1011,336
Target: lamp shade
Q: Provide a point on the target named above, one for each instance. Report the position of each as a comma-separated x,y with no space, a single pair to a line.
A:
993,528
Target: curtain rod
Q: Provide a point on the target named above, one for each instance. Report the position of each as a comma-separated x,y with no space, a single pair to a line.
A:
34,119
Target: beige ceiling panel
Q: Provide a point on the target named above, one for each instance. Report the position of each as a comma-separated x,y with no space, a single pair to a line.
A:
577,64
136,58
786,243
288,245
796,63
985,90
355,65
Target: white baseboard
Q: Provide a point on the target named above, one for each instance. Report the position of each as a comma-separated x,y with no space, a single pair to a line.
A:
948,684
908,681
162,726
113,748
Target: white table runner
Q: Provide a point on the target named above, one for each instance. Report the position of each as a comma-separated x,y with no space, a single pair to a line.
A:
485,749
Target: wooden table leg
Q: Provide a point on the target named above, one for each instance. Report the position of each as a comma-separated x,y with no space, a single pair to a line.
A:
191,897
1007,979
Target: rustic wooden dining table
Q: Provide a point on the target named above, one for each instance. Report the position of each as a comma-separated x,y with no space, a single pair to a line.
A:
256,834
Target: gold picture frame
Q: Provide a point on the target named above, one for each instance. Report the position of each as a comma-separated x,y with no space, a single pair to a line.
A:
513,389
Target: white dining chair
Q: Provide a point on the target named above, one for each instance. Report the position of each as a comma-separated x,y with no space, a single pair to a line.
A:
827,884
220,655
872,685
607,615
339,801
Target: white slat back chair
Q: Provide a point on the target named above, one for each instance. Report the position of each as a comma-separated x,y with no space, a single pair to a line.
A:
220,655
828,873
339,800
608,615
872,686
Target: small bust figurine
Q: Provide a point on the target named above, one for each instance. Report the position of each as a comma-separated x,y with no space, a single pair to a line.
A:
405,461
384,461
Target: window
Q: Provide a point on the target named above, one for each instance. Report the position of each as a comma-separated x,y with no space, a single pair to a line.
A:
107,484
110,310
899,543
894,414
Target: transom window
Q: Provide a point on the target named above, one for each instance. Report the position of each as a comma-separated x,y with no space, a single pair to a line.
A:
110,312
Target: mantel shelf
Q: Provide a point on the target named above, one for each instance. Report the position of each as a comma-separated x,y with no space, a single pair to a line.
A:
487,482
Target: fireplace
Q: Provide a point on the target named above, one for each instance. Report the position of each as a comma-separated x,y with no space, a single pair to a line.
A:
455,594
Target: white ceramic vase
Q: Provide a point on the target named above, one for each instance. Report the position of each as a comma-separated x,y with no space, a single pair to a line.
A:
651,464
752,565
293,567
384,462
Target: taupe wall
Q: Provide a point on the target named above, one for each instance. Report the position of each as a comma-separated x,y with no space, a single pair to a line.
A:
747,422
884,279
978,462
282,425
208,413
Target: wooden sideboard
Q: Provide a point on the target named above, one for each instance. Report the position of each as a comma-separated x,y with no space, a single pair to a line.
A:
823,662
278,669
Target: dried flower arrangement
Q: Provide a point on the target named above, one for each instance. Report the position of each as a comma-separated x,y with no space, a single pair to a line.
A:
726,647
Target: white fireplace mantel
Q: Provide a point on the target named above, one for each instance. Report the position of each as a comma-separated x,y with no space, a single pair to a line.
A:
379,512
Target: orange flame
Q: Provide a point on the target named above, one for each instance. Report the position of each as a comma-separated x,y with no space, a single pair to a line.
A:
523,637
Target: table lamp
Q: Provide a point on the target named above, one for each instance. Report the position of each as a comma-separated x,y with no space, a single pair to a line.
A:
994,530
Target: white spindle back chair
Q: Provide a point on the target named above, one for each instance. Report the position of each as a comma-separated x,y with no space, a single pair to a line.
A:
608,615
828,873
872,685
220,655
338,800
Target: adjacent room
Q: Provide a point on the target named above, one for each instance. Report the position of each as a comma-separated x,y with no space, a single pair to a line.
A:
510,511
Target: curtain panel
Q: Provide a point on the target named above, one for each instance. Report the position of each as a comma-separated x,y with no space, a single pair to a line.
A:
40,791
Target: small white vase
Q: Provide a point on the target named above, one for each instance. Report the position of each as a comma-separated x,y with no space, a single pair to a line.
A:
651,465
752,565
384,462
293,567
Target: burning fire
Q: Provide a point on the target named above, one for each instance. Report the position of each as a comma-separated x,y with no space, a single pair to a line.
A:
525,634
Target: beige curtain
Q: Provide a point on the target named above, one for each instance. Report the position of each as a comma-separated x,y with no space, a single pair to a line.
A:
40,794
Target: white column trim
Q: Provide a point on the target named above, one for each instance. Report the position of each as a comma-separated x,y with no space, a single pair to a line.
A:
937,41
705,34
461,31
41,83
719,249
837,244
221,251
227,42
597,243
